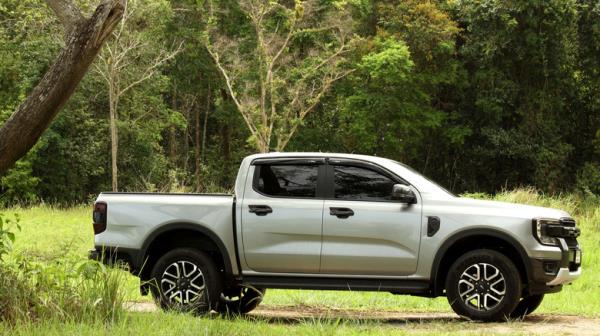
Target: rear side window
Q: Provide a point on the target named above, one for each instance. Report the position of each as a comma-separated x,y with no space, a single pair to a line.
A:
361,184
287,180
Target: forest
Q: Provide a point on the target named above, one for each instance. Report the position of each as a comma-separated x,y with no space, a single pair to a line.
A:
480,96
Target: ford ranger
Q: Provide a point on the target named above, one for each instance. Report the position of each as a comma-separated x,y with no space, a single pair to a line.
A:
337,222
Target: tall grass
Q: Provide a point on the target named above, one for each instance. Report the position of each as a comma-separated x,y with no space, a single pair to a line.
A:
64,288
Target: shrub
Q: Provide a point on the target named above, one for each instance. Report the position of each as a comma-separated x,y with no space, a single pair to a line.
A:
64,289
588,179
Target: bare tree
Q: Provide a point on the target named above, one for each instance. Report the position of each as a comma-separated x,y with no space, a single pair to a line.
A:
84,38
122,68
283,79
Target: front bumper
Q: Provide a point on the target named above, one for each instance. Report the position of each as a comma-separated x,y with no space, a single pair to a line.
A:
564,276
549,274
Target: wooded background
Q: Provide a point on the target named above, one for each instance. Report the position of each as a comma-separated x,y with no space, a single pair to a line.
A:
477,95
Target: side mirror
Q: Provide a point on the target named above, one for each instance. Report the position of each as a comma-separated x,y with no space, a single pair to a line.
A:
404,194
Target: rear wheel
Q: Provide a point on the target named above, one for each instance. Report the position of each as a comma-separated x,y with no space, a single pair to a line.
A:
187,280
240,299
483,285
527,305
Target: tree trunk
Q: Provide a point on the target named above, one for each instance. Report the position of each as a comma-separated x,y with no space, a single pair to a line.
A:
187,137
197,150
206,112
114,143
200,145
23,129
173,132
225,142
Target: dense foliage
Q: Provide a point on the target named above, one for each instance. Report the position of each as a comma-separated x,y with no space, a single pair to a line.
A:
61,288
479,95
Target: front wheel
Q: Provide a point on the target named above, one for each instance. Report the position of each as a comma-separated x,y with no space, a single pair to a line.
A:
240,299
186,280
483,285
527,305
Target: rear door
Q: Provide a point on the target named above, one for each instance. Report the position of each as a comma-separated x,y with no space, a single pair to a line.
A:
282,216
365,232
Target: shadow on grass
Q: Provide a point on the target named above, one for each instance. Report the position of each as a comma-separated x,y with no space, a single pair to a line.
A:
304,315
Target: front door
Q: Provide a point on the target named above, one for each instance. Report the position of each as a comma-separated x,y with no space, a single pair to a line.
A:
282,217
365,232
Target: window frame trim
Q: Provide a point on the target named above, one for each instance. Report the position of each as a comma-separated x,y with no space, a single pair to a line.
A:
325,177
330,190
287,161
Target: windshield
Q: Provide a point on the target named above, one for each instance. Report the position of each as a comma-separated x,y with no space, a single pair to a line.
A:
425,184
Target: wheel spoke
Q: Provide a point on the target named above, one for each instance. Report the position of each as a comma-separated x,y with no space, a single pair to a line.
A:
498,292
167,273
176,266
489,296
496,273
473,297
175,295
193,267
470,288
171,286
477,273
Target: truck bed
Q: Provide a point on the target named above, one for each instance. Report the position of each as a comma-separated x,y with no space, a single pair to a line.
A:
134,217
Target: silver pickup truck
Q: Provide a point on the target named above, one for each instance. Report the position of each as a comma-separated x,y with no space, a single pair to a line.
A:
337,222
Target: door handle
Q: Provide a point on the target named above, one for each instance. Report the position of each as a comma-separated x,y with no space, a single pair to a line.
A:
341,212
260,210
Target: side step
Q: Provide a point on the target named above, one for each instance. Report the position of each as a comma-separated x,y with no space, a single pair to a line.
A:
416,287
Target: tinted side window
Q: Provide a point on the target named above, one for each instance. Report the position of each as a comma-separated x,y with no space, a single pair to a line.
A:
361,184
287,180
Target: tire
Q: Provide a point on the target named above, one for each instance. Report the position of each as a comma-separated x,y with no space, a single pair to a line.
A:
483,285
240,300
186,280
527,305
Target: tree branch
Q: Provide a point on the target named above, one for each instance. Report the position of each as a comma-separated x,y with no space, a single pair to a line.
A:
25,126
158,61
326,85
229,84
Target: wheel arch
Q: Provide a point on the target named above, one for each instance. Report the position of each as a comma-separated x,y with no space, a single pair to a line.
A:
193,235
458,243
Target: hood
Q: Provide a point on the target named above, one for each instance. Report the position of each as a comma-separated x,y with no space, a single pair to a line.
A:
499,209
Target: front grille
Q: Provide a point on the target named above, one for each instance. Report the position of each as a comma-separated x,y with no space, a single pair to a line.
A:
569,222
573,267
571,242
566,221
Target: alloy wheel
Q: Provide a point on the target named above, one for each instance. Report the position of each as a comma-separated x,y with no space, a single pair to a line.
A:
482,286
182,283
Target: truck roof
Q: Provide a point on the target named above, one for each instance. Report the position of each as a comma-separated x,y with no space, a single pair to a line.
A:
318,154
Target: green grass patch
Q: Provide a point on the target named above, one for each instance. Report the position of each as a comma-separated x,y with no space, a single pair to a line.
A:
161,323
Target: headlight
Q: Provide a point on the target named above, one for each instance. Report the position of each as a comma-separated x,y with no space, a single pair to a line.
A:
539,230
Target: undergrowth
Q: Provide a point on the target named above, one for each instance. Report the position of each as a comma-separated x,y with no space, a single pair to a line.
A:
65,288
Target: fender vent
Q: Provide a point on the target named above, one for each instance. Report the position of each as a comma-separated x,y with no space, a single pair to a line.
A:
433,225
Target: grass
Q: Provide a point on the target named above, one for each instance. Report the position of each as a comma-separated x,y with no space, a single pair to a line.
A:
49,232
161,323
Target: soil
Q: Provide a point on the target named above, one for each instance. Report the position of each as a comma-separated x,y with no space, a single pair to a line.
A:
542,324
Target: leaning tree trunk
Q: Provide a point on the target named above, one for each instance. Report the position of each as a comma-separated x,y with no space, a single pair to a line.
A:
85,38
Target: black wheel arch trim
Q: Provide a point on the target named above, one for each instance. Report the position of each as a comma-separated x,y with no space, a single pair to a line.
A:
475,232
192,227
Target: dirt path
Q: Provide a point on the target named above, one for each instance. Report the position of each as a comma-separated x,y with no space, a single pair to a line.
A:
545,324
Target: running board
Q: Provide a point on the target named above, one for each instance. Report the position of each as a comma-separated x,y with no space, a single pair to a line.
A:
378,285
